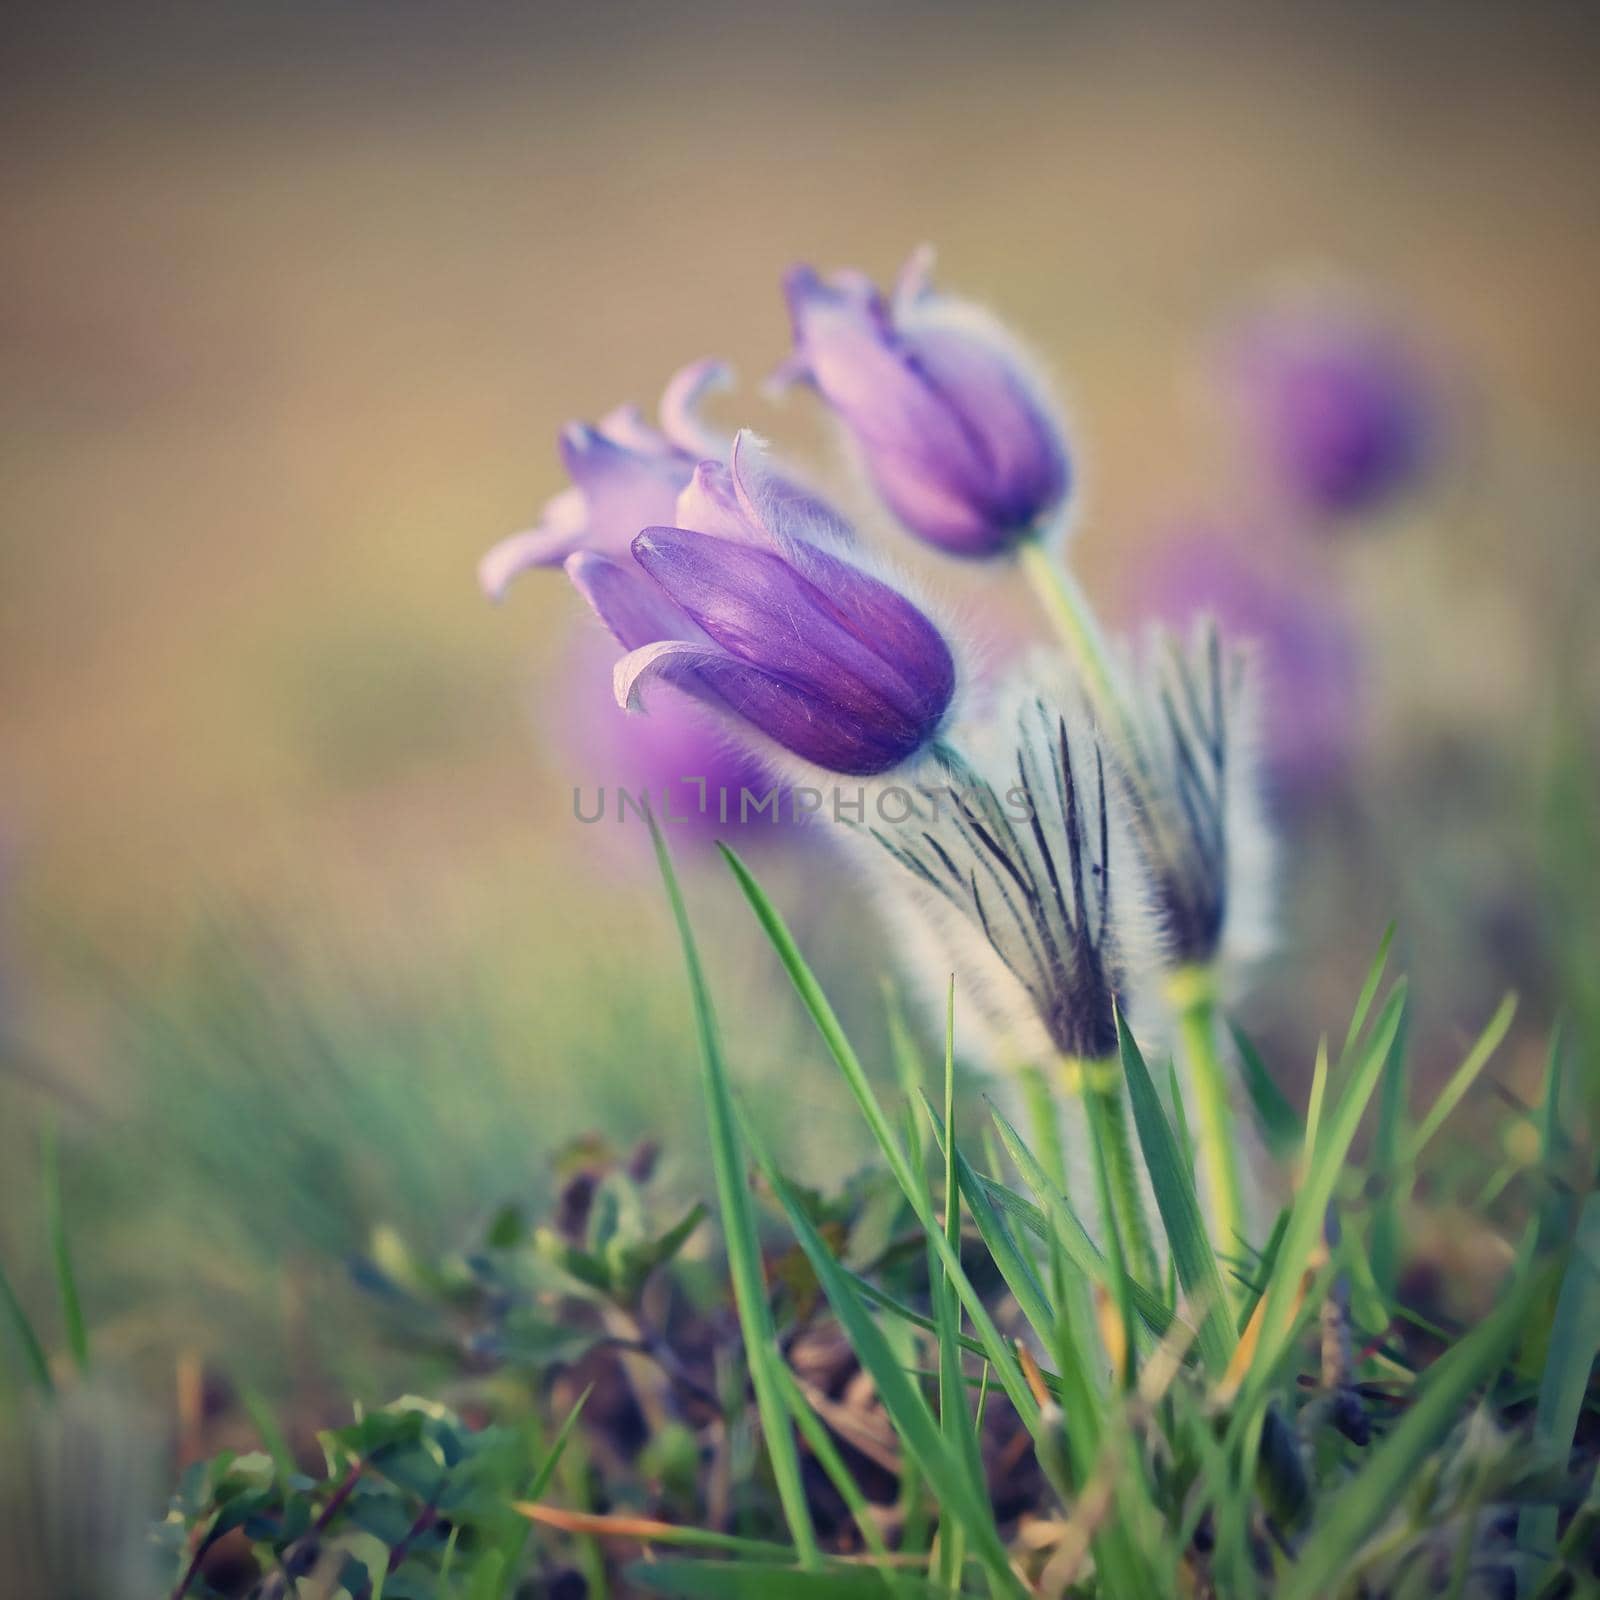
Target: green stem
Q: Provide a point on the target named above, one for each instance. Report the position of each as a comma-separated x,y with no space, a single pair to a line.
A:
1069,610
1046,1123
1101,1086
1194,997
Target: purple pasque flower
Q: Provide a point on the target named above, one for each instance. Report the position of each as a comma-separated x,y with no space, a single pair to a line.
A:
626,475
955,430
748,605
1305,642
1339,409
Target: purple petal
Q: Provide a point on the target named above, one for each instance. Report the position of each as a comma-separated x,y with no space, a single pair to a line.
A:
856,644
674,660
954,430
563,530
627,426
625,490
680,407
854,360
663,754
802,722
915,282
710,504
630,605
778,504
1027,467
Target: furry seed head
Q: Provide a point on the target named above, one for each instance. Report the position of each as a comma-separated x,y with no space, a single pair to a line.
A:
1021,862
1195,801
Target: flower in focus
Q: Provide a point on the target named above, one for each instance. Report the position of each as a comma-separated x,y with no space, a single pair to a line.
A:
1337,406
1309,662
954,428
748,603
625,475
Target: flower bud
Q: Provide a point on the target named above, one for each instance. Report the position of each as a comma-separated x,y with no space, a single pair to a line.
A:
625,475
1339,411
738,606
952,425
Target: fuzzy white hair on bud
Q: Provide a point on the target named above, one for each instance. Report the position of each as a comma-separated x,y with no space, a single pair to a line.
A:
1199,821
1021,865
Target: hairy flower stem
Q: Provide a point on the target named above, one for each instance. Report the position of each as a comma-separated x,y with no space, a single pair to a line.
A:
1194,1000
1100,1084
1070,613
1046,1124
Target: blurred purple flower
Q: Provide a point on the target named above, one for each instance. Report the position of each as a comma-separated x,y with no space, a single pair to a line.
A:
1309,660
954,429
626,475
747,606
1338,406
691,768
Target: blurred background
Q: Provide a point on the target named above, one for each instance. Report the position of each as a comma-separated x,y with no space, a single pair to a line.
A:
299,935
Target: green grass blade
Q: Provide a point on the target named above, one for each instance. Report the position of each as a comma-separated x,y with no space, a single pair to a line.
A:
827,1022
814,1431
1180,1115
887,1302
1264,1269
952,1205
1015,1267
1358,1509
1324,1162
1280,1124
954,1419
1461,1080
266,1426
37,1362
1074,1239
1369,992
1316,1099
1392,1105
913,1421
516,1547
739,1231
1574,1344
849,1064
1100,1136
904,1053
60,1253
721,1580
1550,1101
1180,1209
1550,1206
558,1447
